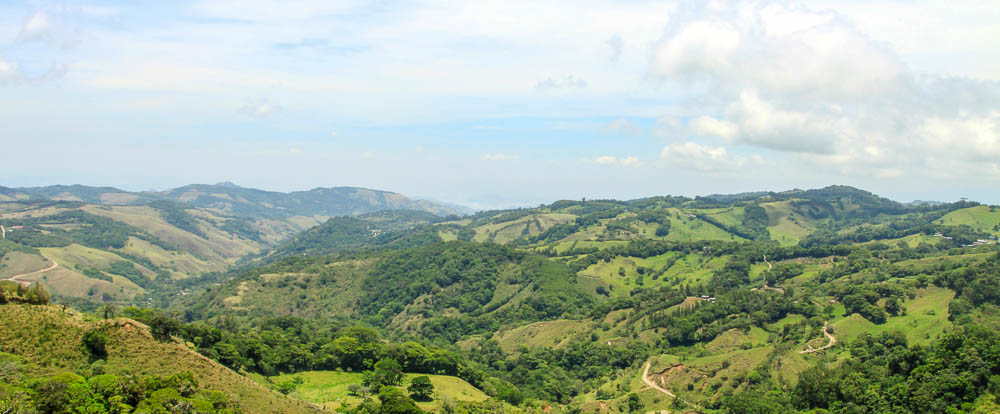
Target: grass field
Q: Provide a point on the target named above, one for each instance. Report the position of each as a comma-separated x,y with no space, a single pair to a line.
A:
979,218
551,334
16,263
329,388
785,225
926,317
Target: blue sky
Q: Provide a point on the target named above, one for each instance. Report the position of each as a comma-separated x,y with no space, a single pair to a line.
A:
497,104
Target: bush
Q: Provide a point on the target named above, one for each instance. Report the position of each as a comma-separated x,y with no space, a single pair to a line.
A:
95,344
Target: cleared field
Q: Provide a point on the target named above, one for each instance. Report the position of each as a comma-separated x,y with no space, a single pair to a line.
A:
551,334
785,225
926,317
329,388
180,264
982,218
691,229
16,263
73,255
525,226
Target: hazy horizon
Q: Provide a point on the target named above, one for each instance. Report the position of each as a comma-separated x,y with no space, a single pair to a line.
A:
503,104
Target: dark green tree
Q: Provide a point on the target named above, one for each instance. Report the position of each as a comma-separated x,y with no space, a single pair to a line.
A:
421,388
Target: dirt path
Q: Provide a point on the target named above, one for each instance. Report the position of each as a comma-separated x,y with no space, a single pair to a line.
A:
652,384
833,341
766,287
28,282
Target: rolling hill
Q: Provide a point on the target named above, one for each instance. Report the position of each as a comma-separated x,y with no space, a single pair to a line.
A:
757,302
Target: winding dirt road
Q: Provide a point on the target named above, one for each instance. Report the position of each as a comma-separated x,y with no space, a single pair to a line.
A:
652,384
833,341
29,282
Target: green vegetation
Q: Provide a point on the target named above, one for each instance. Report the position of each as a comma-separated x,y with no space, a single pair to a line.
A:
828,300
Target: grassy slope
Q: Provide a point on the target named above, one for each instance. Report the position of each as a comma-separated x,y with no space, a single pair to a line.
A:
49,341
329,388
979,218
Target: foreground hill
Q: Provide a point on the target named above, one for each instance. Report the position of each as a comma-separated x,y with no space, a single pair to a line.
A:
45,345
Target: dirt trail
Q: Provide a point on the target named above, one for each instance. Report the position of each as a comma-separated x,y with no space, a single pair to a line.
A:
652,384
28,282
833,341
766,287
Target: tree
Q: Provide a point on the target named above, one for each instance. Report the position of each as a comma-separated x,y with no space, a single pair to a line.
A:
163,327
388,372
95,343
634,404
394,402
289,386
108,310
421,388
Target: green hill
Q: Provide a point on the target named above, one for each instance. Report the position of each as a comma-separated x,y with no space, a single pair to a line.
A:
45,343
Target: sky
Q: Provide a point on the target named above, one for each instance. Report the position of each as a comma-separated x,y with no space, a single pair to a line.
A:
495,104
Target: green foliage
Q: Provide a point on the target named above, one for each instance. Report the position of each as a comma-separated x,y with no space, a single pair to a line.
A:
420,388
13,292
289,386
95,344
72,393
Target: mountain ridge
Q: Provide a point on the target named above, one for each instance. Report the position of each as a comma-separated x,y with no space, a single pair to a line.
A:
232,199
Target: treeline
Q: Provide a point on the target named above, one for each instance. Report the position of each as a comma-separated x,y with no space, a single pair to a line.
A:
89,230
288,345
106,393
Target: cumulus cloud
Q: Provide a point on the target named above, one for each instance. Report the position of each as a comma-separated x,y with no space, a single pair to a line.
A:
810,84
260,108
691,155
566,82
625,162
497,157
622,126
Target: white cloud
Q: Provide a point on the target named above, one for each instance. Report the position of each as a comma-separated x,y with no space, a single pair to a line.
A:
622,126
260,108
497,157
809,83
625,162
566,82
776,49
690,155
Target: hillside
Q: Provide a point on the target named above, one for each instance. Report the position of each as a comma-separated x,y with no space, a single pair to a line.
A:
104,253
232,200
757,302
729,299
45,343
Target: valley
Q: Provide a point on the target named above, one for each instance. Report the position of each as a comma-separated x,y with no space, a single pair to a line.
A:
796,301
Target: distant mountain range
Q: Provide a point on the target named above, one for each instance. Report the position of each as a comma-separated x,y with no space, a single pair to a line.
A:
231,199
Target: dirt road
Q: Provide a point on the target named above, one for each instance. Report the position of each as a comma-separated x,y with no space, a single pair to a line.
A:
652,384
833,341
28,282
